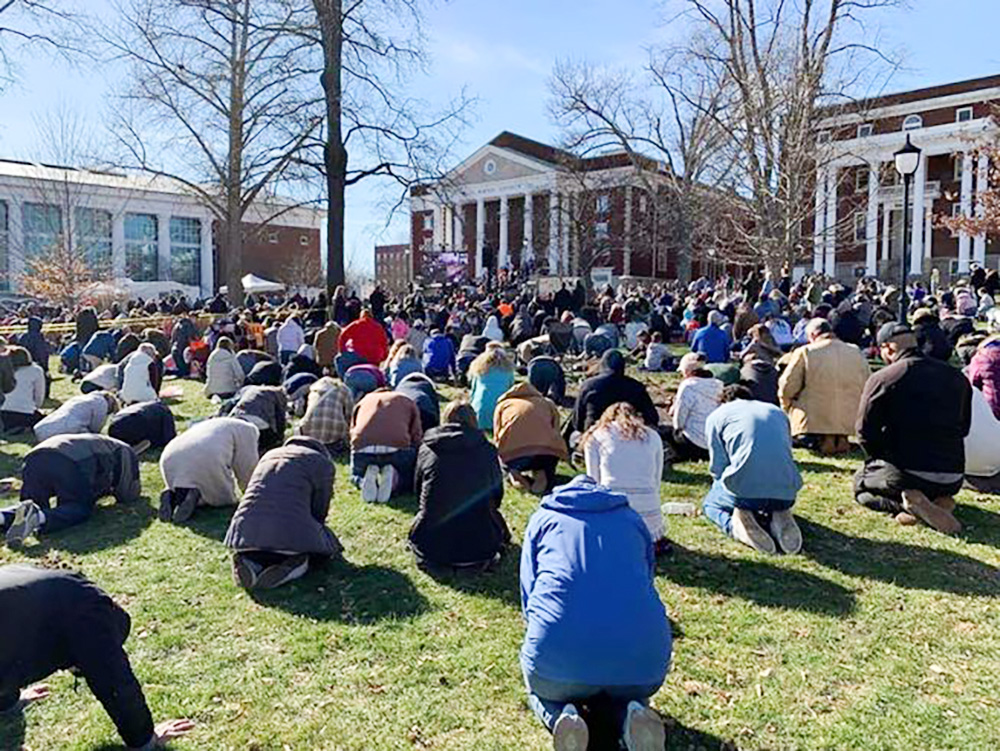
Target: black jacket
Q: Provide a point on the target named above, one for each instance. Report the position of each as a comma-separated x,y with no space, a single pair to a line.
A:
762,379
55,620
420,390
81,468
460,486
915,414
600,392
146,421
932,340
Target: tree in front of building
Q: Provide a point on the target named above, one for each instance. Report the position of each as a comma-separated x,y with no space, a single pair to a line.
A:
59,275
985,219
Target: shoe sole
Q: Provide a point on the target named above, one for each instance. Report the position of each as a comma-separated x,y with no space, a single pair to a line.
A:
185,509
17,533
244,575
570,734
166,512
753,535
934,516
788,535
274,576
385,479
645,732
369,485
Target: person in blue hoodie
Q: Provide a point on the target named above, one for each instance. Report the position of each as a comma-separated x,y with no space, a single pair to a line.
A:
712,341
99,350
756,480
439,356
595,624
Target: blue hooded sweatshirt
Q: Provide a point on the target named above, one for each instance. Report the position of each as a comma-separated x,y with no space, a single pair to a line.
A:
587,592
439,355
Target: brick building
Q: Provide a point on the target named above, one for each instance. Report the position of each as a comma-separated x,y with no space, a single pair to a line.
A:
520,204
392,267
858,212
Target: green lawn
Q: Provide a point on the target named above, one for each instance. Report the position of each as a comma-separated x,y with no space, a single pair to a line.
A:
877,637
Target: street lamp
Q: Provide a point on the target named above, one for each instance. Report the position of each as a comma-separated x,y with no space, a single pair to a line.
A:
907,161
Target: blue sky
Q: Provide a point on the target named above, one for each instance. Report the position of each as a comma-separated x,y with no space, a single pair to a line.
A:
503,52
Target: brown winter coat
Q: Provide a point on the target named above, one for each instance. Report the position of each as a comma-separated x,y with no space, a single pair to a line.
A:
326,341
386,418
525,423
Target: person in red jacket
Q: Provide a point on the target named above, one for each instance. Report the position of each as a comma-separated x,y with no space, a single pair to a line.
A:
366,338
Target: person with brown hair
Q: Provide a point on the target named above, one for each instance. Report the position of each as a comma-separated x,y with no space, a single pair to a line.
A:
223,374
491,375
625,455
762,345
526,430
459,484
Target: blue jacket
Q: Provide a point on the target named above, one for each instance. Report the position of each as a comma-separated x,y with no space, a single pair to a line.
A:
750,444
101,344
712,342
587,592
402,368
34,341
439,355
486,392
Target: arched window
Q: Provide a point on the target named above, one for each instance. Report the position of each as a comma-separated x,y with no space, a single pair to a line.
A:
912,122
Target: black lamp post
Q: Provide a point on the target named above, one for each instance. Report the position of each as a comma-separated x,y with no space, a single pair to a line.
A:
907,161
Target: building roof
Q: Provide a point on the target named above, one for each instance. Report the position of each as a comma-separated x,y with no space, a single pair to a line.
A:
913,95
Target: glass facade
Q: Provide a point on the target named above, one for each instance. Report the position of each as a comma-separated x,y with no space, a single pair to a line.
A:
4,246
42,223
141,247
185,250
93,238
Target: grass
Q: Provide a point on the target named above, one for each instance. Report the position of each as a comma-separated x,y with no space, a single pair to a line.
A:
877,637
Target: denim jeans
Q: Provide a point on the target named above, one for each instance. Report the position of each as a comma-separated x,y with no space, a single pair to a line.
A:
548,698
404,460
719,505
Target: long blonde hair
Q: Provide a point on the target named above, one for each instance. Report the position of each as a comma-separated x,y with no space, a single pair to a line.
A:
405,352
495,356
624,418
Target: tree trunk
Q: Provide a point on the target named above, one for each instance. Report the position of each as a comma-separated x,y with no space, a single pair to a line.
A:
330,15
234,185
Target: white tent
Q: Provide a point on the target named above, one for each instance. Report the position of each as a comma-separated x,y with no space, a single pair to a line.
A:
253,285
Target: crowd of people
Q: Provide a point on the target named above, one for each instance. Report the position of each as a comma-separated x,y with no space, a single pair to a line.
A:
298,385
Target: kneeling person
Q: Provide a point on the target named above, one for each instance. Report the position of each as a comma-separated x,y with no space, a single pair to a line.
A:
144,425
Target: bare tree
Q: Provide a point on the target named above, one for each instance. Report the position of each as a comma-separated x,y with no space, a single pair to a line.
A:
39,24
219,98
370,50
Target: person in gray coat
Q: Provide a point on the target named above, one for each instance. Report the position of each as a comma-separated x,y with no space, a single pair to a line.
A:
267,408
279,529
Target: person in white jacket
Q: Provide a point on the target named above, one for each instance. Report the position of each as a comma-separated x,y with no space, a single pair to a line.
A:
21,406
81,414
223,374
982,447
697,397
137,379
203,465
624,454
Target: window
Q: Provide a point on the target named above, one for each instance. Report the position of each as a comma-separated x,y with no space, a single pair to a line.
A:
428,221
4,244
963,114
865,130
272,237
642,203
141,247
959,167
42,224
823,137
956,210
860,227
601,231
185,250
303,240
912,122
861,179
603,204
93,238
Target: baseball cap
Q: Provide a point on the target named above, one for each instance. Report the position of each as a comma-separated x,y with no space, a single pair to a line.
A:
890,331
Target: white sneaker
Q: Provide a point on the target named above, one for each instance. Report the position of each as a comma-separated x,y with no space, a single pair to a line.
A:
747,530
369,485
570,732
644,730
27,521
786,532
386,483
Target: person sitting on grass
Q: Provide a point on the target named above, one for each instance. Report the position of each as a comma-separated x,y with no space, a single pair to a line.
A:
914,416
657,356
712,341
595,623
626,455
609,387
81,414
223,374
460,486
402,362
491,375
547,375
982,457
365,338
141,375
385,434
204,464
76,470
420,389
439,356
279,530
329,407
21,406
755,480
53,620
303,361
526,431
144,426
697,397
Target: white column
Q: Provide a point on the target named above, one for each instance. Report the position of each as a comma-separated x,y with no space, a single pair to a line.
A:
438,236
627,250
553,232
886,230
480,234
459,232
929,233
829,256
118,246
163,246
964,241
529,228
917,246
982,185
819,221
565,231
871,226
207,262
15,244
503,258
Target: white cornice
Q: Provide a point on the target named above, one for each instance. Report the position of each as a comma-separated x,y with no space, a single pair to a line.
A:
910,108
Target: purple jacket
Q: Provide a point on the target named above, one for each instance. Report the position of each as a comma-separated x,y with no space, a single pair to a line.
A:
984,373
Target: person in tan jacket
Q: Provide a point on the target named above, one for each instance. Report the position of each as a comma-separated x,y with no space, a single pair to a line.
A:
526,430
385,434
325,341
821,388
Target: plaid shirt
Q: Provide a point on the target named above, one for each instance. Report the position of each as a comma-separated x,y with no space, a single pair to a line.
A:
328,413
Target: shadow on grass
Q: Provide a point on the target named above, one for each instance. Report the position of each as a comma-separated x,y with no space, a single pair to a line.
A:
341,591
823,468
110,526
675,476
908,566
501,583
604,725
978,525
756,581
12,730
211,522
680,738
406,502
